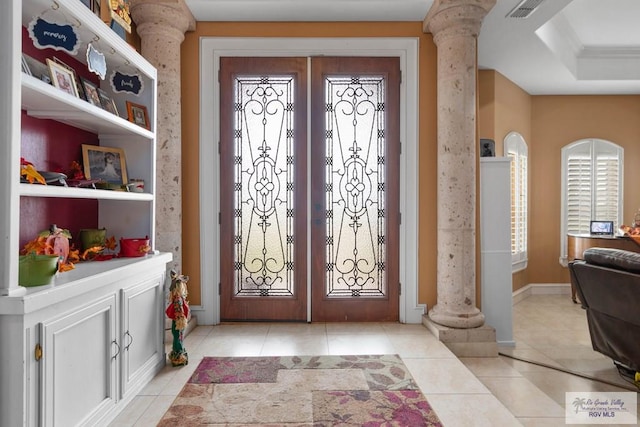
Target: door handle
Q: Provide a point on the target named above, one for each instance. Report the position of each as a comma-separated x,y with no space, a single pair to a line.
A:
118,352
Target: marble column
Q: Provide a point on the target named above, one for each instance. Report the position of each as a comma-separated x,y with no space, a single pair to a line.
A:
161,26
455,25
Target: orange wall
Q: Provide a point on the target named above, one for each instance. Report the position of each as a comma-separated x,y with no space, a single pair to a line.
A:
558,121
427,132
504,108
548,123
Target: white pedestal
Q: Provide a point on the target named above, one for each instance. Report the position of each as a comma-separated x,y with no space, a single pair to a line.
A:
495,246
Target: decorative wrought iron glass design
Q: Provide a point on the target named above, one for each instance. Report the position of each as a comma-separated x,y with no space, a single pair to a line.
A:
263,186
355,186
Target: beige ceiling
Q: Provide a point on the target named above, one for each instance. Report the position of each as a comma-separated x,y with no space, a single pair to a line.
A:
563,47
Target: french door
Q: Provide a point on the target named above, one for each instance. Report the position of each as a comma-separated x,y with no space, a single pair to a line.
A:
343,192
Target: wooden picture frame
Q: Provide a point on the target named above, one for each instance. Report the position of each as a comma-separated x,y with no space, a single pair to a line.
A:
91,92
79,87
138,114
107,103
105,163
62,78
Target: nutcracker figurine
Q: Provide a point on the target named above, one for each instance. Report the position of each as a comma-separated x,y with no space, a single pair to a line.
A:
178,312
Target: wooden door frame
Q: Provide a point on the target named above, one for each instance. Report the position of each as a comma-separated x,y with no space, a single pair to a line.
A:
211,49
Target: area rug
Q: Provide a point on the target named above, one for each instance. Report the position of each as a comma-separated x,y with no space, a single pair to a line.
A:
318,391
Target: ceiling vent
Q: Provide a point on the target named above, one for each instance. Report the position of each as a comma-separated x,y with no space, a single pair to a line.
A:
524,9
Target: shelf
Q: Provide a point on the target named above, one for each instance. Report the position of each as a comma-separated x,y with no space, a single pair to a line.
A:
85,277
38,190
92,30
44,101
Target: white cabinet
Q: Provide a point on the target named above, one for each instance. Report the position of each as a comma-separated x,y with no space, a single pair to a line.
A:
80,350
142,346
74,352
495,246
79,358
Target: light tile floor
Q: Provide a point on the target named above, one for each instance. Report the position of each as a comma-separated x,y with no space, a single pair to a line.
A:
464,392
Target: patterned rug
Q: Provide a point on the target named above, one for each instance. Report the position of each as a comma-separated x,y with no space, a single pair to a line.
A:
318,391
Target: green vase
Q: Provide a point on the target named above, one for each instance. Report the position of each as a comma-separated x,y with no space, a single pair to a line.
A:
37,270
91,237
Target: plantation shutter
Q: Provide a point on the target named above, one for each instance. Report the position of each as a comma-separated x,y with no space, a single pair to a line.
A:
518,202
593,184
521,204
606,188
515,147
578,194
514,196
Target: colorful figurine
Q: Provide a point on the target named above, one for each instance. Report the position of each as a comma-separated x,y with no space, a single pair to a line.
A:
178,312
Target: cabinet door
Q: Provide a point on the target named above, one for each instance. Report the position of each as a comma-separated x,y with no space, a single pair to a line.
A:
142,333
79,369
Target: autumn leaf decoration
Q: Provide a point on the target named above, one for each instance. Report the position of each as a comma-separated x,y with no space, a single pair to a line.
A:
45,244
30,173
39,246
98,253
110,243
75,171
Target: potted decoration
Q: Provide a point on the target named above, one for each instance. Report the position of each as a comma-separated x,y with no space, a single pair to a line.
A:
37,270
134,247
44,256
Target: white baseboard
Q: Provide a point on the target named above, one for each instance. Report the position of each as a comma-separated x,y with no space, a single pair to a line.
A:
541,289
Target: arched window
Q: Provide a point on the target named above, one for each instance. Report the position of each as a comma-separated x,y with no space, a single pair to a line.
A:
516,148
592,182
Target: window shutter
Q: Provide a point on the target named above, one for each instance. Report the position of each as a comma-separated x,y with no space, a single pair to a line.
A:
591,187
522,207
578,194
516,148
606,189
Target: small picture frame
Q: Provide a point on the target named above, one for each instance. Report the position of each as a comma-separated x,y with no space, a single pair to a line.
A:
91,93
62,78
107,103
138,114
96,6
104,163
79,87
37,69
487,147
25,66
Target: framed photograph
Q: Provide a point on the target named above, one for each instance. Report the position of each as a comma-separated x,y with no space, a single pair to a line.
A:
25,66
37,69
107,102
62,78
79,88
104,163
96,6
487,147
138,114
91,93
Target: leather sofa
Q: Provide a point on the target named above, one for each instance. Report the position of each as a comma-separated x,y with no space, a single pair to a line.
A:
608,285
